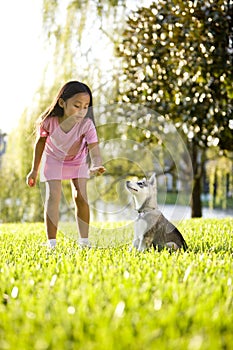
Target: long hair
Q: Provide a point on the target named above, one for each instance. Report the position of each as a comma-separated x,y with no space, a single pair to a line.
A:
67,91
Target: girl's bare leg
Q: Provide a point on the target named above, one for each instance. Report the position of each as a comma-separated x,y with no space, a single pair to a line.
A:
82,212
51,207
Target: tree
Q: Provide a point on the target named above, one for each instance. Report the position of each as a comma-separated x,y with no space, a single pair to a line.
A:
177,60
69,29
80,36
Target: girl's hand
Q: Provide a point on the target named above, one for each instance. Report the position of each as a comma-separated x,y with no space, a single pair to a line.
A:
97,170
31,178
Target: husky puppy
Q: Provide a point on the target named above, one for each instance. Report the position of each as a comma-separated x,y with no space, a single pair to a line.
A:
151,227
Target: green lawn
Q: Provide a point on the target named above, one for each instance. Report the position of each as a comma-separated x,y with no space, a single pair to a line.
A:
110,298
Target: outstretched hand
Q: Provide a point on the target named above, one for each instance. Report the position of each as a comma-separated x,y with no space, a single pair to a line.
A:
97,170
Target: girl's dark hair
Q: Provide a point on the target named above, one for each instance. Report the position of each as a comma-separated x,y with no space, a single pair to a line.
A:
67,91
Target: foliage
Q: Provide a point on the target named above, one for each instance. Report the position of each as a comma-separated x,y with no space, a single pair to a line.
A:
115,299
177,60
219,172
135,142
69,29
18,202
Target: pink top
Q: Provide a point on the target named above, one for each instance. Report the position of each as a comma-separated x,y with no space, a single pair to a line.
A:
68,146
65,153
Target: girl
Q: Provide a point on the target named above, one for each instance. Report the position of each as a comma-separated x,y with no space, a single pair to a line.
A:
67,135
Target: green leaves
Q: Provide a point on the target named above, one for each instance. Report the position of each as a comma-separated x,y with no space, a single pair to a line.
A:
177,60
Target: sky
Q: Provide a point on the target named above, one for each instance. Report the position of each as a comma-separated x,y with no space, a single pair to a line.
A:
22,58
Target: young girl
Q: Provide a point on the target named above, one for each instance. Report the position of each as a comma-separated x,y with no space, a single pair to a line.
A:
67,135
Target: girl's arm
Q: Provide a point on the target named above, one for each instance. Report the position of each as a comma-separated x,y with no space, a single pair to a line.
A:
96,161
37,154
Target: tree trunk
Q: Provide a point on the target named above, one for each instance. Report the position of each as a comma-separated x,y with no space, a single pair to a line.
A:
196,204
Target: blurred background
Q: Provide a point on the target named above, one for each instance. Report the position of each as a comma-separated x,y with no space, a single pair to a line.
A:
161,73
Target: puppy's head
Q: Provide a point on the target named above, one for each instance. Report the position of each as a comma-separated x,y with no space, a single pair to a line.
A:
143,190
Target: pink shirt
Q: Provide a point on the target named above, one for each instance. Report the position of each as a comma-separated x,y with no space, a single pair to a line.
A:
69,147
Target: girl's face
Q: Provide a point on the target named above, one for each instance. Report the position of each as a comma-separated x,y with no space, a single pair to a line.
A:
76,106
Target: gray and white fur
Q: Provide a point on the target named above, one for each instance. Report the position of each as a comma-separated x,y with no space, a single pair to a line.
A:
151,227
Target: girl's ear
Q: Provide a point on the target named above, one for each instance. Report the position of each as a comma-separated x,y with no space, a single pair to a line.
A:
61,102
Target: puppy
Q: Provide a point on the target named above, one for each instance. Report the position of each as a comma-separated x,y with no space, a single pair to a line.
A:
151,227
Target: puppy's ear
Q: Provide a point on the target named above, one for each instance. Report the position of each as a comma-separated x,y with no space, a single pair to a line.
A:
152,180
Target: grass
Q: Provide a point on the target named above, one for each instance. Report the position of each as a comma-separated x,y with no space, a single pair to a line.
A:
113,299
